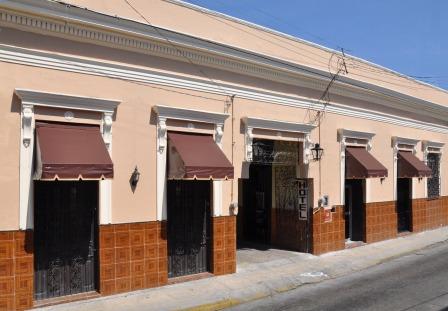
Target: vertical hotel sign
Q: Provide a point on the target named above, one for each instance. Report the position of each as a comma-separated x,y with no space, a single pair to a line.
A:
303,199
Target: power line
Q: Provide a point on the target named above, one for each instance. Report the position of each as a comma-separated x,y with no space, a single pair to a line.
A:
177,49
358,65
296,67
284,22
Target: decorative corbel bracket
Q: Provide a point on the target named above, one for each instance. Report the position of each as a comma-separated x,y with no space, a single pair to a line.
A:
219,132
249,137
307,144
161,134
343,145
107,129
27,124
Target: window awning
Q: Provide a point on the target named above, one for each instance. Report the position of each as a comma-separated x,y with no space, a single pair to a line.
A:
359,163
195,156
71,152
410,166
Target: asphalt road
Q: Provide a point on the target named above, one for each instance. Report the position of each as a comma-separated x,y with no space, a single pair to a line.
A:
418,281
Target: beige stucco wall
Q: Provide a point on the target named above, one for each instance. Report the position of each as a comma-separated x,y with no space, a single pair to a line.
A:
169,15
134,129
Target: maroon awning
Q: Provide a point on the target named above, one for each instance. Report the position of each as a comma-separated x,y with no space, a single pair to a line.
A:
71,152
359,163
410,166
196,156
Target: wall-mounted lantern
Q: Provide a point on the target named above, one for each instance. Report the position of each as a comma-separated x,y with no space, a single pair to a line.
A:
135,177
317,152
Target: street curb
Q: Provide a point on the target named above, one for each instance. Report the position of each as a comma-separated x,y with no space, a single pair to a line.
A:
219,305
228,303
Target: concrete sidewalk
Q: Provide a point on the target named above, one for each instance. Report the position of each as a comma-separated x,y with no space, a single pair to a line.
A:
261,273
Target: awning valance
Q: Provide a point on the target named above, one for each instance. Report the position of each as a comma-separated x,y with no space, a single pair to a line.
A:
196,156
359,163
71,152
410,166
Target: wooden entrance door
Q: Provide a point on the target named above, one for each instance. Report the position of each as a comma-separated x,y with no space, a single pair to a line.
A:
404,201
65,238
188,227
291,213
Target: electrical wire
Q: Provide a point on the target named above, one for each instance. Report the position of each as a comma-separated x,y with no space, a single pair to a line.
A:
263,57
358,65
175,47
280,20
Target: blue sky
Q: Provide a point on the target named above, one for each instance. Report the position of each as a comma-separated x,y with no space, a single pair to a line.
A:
409,36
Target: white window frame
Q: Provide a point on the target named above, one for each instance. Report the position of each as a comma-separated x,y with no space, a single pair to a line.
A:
29,100
343,135
165,113
279,127
396,143
437,148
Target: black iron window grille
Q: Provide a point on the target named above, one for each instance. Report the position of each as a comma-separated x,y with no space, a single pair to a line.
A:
275,152
433,185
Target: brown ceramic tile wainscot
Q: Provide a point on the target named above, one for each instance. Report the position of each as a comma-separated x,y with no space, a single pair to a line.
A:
16,270
429,213
380,221
328,236
132,256
223,259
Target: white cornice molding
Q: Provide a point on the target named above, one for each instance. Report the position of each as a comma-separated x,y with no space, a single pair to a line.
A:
176,113
432,144
404,141
345,133
64,101
276,125
80,24
49,60
74,64
300,40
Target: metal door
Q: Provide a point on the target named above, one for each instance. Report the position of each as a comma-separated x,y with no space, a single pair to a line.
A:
65,238
354,208
188,227
348,211
258,203
404,199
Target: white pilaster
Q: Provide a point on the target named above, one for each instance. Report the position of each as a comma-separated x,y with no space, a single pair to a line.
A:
217,184
395,170
26,167
342,171
161,168
106,185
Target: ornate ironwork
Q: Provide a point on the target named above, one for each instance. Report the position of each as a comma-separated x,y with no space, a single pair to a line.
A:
76,267
286,188
188,227
65,238
434,181
275,152
55,273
